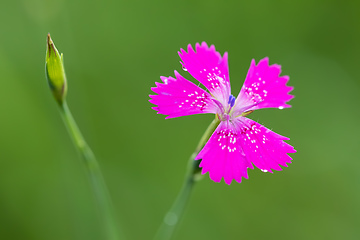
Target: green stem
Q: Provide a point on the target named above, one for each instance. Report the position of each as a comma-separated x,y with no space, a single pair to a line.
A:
97,181
176,211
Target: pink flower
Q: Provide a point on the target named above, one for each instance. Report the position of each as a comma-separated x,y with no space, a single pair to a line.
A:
238,142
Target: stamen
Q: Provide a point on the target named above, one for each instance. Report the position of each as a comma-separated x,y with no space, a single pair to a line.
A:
231,101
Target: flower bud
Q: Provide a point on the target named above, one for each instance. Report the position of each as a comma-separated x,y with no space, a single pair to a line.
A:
55,73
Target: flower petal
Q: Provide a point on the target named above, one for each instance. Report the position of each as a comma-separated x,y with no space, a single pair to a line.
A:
180,97
208,67
235,145
222,156
263,88
263,147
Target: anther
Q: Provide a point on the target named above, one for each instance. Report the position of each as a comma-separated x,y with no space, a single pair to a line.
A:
231,101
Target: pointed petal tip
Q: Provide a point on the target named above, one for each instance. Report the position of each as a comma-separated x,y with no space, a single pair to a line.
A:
225,56
292,151
170,116
190,48
216,176
290,98
204,44
228,183
285,106
253,63
153,101
238,180
153,89
283,165
163,78
197,46
277,66
264,61
181,52
178,75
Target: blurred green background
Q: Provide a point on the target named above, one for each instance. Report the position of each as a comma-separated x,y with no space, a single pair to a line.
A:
114,52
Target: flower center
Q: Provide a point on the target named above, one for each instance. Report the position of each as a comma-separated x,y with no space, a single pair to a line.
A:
225,115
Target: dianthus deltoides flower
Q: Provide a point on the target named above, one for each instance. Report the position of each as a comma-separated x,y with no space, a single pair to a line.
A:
238,142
